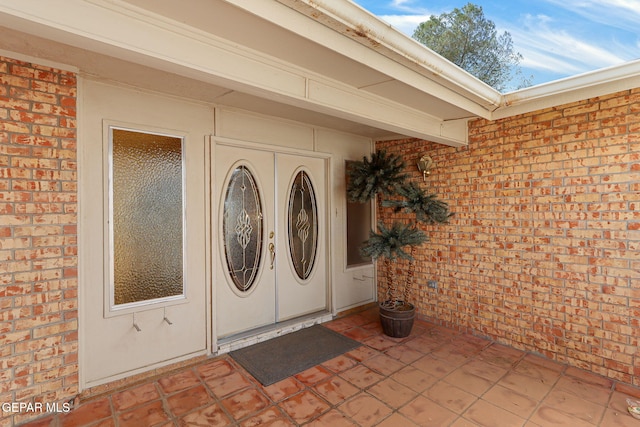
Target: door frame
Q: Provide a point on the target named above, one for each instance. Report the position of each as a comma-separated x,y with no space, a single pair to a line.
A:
251,336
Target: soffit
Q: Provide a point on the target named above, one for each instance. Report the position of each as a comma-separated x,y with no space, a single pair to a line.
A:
323,50
249,30
93,64
243,56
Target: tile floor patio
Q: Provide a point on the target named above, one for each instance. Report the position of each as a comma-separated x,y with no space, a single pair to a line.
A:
435,377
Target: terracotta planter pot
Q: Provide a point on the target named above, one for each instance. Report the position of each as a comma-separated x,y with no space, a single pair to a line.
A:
397,323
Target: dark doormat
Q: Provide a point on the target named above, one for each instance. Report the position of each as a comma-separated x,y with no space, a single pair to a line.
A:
278,358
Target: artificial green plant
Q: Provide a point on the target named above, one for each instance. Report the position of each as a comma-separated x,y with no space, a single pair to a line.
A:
382,177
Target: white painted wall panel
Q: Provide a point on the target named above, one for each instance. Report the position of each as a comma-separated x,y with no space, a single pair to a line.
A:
351,286
251,127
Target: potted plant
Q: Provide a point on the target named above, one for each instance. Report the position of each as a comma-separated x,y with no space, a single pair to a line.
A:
382,177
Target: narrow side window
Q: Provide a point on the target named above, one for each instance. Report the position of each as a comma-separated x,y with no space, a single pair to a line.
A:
146,216
358,228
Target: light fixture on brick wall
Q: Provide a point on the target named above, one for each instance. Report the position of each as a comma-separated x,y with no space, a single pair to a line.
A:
425,164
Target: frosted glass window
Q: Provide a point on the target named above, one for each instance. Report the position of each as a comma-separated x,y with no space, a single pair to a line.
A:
303,225
146,216
242,225
358,229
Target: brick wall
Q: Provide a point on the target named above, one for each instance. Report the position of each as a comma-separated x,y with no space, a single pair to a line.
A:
38,252
543,253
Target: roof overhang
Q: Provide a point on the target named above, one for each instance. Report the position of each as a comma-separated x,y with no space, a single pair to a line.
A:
572,89
327,62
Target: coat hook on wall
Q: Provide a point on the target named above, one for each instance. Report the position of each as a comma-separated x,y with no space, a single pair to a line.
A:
169,322
425,164
135,324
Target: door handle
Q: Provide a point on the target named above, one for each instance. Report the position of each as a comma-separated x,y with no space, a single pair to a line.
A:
272,251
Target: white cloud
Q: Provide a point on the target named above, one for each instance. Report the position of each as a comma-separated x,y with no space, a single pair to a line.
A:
548,45
410,14
538,60
408,6
621,14
405,23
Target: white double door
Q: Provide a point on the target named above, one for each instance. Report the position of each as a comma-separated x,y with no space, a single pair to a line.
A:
270,236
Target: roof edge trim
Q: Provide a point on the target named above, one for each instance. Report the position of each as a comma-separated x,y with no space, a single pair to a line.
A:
363,23
571,89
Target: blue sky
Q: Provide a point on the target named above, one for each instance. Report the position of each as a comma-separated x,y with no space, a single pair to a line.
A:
557,38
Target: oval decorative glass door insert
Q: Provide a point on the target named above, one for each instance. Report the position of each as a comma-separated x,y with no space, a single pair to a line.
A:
303,225
242,226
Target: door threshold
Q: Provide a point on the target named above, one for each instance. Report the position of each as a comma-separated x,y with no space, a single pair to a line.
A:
254,336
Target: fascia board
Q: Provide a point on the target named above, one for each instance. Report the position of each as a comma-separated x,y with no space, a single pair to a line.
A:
366,109
572,89
395,54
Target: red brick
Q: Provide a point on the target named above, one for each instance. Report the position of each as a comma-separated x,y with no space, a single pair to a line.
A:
37,202
545,257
